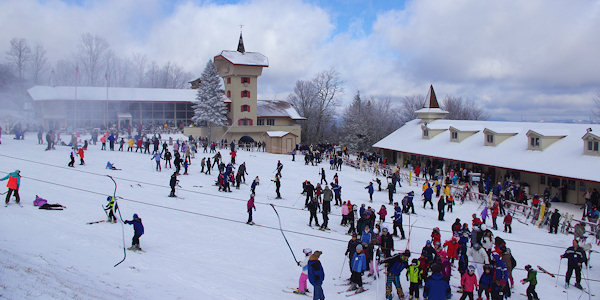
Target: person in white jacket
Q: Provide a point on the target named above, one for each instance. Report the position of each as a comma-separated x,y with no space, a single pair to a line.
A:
478,258
304,275
487,242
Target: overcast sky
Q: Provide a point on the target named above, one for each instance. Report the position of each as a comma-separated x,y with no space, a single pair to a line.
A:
531,60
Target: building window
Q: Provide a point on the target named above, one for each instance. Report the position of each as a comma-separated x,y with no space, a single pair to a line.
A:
245,80
245,94
228,80
534,142
245,122
228,93
270,122
592,146
260,122
454,135
245,108
542,179
425,133
489,138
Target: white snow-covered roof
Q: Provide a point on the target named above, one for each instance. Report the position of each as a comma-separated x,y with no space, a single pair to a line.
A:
277,133
563,158
503,130
89,93
467,128
246,58
277,108
551,132
431,110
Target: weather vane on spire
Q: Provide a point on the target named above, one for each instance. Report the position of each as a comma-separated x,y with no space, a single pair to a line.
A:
241,47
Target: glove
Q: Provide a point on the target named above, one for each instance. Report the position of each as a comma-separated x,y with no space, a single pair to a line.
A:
298,263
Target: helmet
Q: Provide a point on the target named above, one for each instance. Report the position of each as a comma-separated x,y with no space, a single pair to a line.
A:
527,267
307,251
18,171
108,198
483,227
476,246
471,268
406,253
436,229
428,242
135,216
359,247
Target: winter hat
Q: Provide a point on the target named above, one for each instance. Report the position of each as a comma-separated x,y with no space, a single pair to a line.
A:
18,171
428,242
359,247
406,253
307,251
527,267
471,268
436,268
354,235
476,246
483,227
414,261
317,253
135,216
108,198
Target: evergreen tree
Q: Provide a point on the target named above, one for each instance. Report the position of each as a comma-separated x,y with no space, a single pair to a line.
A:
209,108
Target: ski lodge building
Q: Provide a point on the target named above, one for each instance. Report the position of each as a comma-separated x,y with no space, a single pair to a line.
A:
271,121
540,155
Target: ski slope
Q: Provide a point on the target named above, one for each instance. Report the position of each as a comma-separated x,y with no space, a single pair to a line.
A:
198,246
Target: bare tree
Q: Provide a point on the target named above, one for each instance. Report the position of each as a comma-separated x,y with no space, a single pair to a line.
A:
596,108
64,72
408,106
139,62
19,55
327,86
39,63
303,99
92,52
462,109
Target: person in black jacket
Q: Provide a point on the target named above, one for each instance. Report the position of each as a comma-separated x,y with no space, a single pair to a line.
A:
554,219
428,252
441,204
575,257
351,249
313,206
173,183
387,243
309,190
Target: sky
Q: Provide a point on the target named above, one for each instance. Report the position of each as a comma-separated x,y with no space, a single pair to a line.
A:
532,60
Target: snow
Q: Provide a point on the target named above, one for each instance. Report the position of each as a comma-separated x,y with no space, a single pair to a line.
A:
246,58
431,110
568,150
198,247
277,133
89,93
277,108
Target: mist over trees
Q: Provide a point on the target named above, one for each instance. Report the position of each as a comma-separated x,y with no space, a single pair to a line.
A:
92,63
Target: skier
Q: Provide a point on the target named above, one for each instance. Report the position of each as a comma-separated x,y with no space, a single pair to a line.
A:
382,213
370,190
468,283
173,182
387,243
427,194
121,143
111,166
398,221
391,190
436,288
395,265
327,197
323,176
507,221
441,208
168,159
130,145
111,207
157,157
358,266
81,154
250,205
313,205
277,185
72,157
304,274
255,183
532,279
575,256
337,191
413,276
500,275
243,172
495,212
279,168
325,220
14,181
554,219
316,275
208,166
185,166
478,257
485,282
138,230
308,189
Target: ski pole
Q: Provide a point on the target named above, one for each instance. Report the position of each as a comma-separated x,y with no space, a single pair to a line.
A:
281,229
343,264
558,272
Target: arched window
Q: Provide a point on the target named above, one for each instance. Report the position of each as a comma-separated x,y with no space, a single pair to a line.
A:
245,80
228,94
245,108
245,94
245,122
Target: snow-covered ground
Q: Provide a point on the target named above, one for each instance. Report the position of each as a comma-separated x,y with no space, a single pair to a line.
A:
198,246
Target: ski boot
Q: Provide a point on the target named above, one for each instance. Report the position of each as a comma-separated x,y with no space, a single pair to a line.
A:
577,285
352,287
360,290
299,292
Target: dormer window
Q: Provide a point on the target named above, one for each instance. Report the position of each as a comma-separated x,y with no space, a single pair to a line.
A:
426,133
489,138
593,146
454,135
534,142
591,143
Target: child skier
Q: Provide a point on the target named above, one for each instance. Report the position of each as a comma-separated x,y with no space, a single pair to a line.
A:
72,157
250,206
14,180
358,266
395,265
468,283
138,230
485,282
532,279
413,275
111,207
304,274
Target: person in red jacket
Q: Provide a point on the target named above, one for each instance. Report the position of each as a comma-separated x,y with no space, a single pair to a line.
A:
417,171
80,153
233,154
507,221
250,206
382,213
452,248
14,181
495,211
435,236
468,282
476,221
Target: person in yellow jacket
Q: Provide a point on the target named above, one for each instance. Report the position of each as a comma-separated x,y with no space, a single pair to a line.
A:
413,275
130,145
447,191
425,185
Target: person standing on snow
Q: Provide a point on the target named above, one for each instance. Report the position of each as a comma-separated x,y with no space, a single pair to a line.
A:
370,190
391,190
14,181
532,279
323,176
277,181
138,230
327,197
313,206
398,221
250,205
157,158
436,288
441,208
468,283
279,168
358,266
111,207
304,274
81,154
427,194
316,275
395,265
173,182
575,257
255,183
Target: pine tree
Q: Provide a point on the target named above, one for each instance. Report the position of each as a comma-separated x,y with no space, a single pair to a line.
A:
209,108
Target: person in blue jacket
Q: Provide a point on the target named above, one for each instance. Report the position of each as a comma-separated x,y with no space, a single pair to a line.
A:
316,275
365,236
138,230
398,221
500,276
436,288
371,190
427,194
358,266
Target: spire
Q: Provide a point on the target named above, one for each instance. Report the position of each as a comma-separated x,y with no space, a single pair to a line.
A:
241,45
430,99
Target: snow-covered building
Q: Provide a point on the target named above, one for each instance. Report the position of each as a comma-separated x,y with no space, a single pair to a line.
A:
90,107
557,155
250,118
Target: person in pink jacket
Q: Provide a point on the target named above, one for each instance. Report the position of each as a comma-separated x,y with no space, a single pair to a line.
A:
344,213
382,213
250,206
468,282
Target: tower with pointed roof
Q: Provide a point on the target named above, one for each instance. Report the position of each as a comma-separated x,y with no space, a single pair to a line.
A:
431,110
